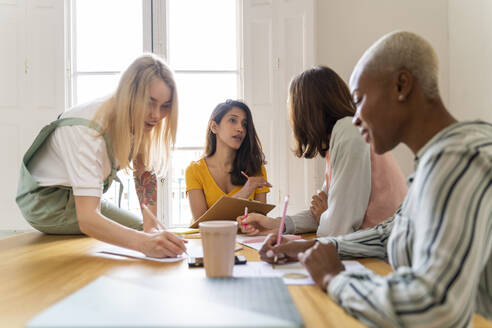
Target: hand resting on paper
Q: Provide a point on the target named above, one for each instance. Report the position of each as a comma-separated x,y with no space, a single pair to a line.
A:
286,252
322,262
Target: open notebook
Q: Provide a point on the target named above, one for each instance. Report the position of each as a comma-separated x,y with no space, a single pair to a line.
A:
202,302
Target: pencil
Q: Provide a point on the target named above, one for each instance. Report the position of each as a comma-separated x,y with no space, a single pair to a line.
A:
242,172
245,215
159,223
281,229
149,212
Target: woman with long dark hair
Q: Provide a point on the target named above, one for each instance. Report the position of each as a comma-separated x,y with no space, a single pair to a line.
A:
231,147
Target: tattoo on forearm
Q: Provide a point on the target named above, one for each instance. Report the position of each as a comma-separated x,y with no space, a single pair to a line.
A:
146,187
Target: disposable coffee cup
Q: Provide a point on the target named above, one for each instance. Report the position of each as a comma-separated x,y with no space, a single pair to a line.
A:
218,241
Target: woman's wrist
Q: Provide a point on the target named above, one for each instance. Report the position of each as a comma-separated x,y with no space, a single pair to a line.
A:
248,189
276,225
241,193
139,241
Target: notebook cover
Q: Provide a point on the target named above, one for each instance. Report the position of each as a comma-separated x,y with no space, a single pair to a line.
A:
229,208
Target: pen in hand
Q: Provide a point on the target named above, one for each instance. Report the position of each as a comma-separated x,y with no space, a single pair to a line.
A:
247,177
281,229
159,223
245,215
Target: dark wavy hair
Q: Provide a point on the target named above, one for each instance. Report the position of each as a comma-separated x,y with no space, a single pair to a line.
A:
318,98
249,157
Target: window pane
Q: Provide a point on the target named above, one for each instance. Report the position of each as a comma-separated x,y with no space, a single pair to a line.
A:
129,198
109,34
198,96
90,87
202,35
181,213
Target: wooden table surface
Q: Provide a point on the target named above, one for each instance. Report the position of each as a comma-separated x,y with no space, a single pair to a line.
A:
38,270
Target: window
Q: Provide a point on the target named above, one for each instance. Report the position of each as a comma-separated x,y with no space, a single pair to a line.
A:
201,45
203,51
104,41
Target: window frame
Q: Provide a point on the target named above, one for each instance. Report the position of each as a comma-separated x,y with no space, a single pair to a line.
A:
71,48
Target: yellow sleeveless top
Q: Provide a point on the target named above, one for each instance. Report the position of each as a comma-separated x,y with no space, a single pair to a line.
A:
198,177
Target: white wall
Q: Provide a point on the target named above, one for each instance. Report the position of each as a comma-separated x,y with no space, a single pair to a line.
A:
346,28
470,59
31,88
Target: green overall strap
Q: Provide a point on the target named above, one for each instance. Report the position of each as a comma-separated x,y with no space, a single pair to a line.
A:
70,121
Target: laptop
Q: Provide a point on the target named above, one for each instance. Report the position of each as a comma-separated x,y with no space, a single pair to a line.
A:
197,302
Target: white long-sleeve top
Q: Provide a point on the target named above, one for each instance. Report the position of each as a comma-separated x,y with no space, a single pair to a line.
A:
439,242
364,189
350,186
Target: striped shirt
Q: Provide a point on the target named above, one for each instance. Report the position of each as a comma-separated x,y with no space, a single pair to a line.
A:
438,242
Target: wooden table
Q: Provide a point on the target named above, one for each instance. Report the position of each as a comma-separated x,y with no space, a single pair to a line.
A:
38,270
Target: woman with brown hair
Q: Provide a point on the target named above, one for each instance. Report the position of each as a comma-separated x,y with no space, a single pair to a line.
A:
233,163
361,188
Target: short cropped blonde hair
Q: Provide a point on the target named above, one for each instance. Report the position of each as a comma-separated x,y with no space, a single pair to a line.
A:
404,50
123,116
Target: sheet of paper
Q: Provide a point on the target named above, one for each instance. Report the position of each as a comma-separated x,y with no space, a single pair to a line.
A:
263,269
292,273
120,251
255,242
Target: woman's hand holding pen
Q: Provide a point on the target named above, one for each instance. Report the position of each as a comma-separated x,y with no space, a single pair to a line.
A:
256,182
163,244
287,251
251,184
258,224
160,242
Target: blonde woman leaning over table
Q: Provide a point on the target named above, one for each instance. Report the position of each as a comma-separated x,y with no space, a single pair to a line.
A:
361,188
74,160
231,147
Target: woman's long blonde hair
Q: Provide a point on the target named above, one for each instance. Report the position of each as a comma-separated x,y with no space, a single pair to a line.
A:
123,116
